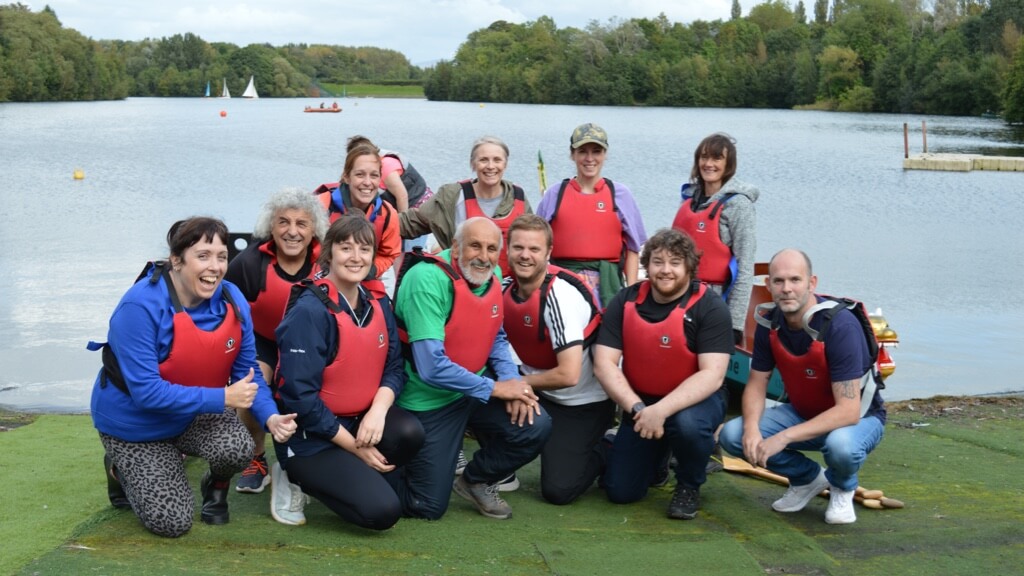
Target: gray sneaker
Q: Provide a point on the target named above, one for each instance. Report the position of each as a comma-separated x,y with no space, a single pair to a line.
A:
287,501
797,497
484,496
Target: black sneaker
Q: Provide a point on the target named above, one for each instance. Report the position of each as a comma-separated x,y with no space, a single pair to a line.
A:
255,477
685,503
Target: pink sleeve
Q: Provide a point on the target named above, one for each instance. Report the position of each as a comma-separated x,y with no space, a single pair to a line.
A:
389,164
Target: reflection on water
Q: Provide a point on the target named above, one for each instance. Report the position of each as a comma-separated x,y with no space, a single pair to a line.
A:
938,252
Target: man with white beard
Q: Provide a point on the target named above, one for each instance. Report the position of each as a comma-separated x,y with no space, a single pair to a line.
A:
449,311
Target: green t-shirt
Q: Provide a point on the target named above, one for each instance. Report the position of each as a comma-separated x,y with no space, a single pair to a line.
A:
424,301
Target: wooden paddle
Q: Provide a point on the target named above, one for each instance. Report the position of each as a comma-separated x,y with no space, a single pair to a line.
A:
874,499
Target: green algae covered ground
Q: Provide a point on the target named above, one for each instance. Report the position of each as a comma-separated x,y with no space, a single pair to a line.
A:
955,462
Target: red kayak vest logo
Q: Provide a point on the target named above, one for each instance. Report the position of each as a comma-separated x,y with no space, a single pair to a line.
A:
700,226
528,320
600,206
229,346
380,340
810,373
666,341
494,311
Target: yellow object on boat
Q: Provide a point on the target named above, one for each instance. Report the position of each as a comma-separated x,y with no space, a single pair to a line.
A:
79,174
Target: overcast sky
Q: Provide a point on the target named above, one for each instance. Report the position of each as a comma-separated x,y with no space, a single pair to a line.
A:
423,30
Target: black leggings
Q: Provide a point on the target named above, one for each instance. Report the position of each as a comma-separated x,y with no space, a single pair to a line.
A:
350,488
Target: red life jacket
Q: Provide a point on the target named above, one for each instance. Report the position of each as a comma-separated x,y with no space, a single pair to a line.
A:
806,377
524,321
380,216
704,227
655,357
586,226
518,208
330,196
269,306
473,322
198,357
351,379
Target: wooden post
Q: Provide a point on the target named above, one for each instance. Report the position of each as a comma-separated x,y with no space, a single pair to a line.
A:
906,142
924,136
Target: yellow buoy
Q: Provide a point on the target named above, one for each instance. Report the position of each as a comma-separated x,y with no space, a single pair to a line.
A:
79,174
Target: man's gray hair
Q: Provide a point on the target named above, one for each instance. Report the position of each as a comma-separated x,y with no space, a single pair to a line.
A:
291,199
460,231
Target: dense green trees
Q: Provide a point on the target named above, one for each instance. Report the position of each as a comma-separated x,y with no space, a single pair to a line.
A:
865,55
41,60
936,56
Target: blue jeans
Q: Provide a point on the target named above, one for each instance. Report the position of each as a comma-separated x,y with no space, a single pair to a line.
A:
426,483
844,449
689,434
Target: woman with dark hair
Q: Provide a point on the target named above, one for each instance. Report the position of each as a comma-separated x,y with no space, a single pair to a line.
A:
341,369
180,358
718,213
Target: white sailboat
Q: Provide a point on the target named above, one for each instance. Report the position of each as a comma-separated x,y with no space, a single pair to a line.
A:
250,90
224,93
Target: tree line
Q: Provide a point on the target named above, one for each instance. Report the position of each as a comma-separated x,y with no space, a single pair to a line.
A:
961,57
958,57
40,60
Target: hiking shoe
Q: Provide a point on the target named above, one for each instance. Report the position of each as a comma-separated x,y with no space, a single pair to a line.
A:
840,507
115,492
685,503
509,484
215,499
797,497
286,499
484,496
255,477
461,463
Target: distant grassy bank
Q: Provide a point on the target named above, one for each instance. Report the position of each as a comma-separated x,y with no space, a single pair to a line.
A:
376,90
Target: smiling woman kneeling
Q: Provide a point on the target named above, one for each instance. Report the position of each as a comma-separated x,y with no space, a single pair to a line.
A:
341,369
180,358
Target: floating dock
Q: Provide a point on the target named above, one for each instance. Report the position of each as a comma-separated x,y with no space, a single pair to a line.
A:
963,162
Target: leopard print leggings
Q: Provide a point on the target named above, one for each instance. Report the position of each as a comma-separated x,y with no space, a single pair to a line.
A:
153,473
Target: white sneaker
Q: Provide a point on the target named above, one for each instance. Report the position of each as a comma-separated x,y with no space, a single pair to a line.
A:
797,497
840,507
286,499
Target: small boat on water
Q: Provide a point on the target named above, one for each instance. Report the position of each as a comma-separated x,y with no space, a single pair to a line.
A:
250,90
739,365
332,109
224,93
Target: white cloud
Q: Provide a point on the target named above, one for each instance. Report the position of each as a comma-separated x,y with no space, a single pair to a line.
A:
423,30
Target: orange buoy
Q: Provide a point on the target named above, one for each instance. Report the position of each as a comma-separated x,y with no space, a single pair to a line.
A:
223,113
79,174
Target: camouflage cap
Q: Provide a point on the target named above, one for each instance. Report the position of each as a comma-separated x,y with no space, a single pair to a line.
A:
588,132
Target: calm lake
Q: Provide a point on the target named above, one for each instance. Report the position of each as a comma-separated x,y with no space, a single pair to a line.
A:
940,253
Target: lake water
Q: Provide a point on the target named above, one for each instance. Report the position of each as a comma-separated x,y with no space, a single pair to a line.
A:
940,253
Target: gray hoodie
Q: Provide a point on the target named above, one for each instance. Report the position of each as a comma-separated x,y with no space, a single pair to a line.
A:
738,230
